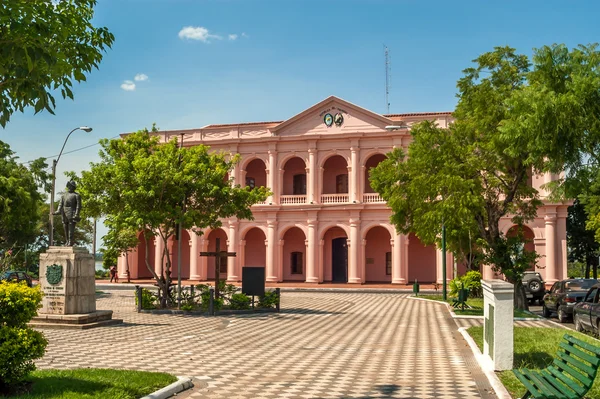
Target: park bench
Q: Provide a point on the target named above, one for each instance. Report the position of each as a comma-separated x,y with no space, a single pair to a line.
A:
570,376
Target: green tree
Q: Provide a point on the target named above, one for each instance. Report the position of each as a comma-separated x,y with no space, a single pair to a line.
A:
581,243
20,202
143,186
471,174
44,46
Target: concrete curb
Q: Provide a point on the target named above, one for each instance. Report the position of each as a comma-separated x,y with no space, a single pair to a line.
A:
486,367
181,384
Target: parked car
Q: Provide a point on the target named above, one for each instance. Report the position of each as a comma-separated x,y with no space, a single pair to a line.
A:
535,287
586,314
12,275
563,296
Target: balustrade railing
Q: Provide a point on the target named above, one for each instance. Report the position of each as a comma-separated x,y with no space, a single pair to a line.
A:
334,198
292,199
372,198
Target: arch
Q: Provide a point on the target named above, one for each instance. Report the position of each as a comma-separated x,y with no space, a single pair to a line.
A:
529,237
294,166
294,254
284,158
323,229
330,154
211,238
335,179
283,228
255,252
369,164
368,226
378,255
248,227
256,169
369,153
139,260
246,161
185,258
422,261
335,267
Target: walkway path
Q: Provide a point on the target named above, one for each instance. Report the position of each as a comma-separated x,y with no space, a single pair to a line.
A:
322,345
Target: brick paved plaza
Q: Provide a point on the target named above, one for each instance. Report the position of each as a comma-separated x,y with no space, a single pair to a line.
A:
321,345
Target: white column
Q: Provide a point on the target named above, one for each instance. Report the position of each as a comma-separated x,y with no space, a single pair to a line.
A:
354,175
354,249
397,276
194,254
271,247
498,305
159,248
550,220
311,189
280,261
203,261
311,253
232,245
272,177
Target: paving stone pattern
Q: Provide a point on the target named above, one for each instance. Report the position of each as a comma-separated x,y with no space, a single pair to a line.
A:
519,323
321,345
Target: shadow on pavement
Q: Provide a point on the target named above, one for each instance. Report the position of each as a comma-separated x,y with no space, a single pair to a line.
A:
306,311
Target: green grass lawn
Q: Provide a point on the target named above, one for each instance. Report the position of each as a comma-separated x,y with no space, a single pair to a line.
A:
95,383
476,305
535,348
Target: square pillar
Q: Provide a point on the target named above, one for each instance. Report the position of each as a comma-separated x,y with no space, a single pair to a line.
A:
498,329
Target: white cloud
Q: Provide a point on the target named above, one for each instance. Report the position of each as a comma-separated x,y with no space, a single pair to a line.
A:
197,33
140,77
128,85
233,36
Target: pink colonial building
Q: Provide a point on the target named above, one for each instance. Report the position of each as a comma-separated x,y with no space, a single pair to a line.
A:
324,222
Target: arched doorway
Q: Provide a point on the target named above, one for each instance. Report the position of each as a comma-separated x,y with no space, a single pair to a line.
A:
141,268
185,255
368,192
212,242
256,174
334,187
294,255
255,252
378,255
335,255
421,261
528,235
293,187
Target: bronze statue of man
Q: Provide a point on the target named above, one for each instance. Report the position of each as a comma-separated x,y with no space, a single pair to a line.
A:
69,208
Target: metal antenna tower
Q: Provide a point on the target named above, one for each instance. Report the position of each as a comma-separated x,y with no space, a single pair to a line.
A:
388,77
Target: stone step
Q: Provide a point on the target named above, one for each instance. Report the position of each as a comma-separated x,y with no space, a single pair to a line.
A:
71,326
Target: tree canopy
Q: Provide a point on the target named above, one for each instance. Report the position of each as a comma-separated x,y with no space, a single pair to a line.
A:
44,46
513,118
141,185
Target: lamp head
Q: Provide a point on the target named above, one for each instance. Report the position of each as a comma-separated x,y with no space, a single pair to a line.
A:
86,128
395,127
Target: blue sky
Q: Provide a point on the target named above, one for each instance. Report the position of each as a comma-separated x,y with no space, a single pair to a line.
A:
286,56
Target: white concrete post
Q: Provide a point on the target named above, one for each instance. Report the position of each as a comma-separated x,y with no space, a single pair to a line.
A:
498,330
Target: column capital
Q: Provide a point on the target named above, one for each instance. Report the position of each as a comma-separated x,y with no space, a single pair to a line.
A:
281,242
348,242
312,150
312,222
233,223
321,242
550,218
271,224
306,242
243,243
364,242
354,222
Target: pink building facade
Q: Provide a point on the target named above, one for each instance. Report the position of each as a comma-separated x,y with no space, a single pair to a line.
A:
324,222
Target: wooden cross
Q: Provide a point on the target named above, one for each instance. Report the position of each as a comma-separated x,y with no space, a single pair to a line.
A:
218,254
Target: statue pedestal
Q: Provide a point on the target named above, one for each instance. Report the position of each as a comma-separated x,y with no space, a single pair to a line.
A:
67,280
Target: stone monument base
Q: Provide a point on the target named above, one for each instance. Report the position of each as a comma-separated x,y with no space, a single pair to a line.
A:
82,321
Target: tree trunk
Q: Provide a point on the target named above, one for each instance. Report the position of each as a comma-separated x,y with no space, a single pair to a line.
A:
594,261
588,263
519,297
127,268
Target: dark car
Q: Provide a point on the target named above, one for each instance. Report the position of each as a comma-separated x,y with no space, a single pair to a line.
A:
563,296
12,275
534,285
586,314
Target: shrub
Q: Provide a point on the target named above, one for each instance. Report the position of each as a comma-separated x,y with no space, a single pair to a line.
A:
471,281
18,303
269,300
204,290
239,302
148,299
19,344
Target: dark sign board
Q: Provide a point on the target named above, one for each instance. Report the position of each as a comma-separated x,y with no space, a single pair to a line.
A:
253,280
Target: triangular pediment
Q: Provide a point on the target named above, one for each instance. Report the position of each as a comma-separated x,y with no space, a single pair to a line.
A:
332,116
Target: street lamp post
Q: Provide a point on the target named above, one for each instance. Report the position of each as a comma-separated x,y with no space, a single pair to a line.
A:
444,288
54,162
